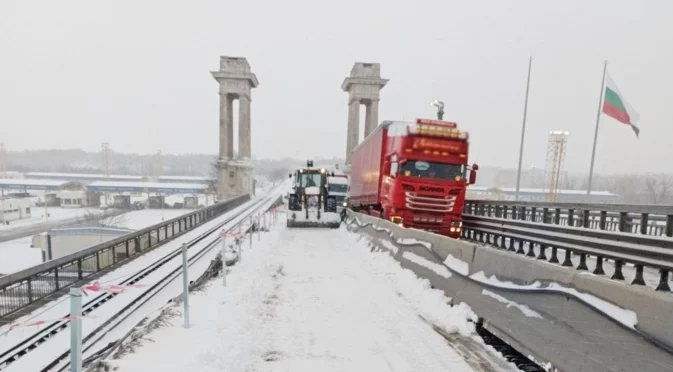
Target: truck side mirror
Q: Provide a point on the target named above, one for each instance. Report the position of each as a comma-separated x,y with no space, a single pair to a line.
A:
473,174
290,176
394,168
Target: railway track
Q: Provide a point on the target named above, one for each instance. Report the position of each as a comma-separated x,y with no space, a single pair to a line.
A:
32,342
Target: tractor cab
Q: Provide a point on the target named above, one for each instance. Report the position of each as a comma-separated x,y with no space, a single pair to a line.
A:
309,197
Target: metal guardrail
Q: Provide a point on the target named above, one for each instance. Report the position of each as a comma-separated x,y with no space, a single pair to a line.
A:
656,220
584,229
22,288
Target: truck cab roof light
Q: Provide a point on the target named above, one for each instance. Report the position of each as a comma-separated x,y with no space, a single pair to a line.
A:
436,122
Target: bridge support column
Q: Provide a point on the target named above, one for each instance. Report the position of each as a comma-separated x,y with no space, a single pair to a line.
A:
363,86
353,135
372,118
235,169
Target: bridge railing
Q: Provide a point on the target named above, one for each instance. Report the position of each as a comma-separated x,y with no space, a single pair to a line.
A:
636,234
655,220
22,288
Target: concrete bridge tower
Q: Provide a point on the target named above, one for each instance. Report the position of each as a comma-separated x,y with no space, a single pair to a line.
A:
236,82
363,86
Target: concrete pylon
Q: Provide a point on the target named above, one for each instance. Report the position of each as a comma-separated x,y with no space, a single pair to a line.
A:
236,83
363,87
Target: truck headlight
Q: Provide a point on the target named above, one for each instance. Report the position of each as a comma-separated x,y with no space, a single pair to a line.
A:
344,204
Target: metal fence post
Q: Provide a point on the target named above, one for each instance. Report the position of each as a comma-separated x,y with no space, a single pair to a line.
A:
185,285
49,253
250,232
224,261
76,330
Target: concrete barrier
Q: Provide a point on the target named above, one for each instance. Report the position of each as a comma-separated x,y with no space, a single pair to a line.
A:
566,301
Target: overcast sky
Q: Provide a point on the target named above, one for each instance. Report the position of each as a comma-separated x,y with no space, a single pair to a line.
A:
136,74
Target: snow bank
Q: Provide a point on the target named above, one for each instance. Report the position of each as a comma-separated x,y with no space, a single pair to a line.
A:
436,268
430,303
461,267
527,311
390,246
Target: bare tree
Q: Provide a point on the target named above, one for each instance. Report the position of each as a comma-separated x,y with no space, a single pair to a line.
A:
658,186
214,176
278,174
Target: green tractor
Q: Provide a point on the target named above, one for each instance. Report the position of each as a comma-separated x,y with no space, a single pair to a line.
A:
309,204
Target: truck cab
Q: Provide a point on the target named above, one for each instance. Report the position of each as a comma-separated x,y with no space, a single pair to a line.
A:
426,178
414,174
337,186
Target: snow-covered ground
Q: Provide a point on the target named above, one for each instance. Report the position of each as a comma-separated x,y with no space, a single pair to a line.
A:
17,255
314,300
55,214
141,219
59,342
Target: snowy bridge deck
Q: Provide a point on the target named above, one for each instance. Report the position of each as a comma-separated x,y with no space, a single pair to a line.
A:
316,300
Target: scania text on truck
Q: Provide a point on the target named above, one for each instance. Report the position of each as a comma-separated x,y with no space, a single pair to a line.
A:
413,174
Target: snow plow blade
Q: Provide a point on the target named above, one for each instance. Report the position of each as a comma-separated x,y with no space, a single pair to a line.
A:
313,224
327,220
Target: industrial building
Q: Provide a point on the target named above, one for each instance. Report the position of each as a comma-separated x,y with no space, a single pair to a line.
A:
14,209
148,187
78,198
528,194
185,179
61,242
84,178
35,185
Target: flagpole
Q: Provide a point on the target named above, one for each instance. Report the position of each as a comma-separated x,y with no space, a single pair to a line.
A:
523,131
598,119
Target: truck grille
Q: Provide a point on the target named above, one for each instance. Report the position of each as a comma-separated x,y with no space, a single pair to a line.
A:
429,203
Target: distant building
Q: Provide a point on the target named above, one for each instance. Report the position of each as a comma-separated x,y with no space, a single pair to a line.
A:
11,175
541,195
61,242
191,202
78,198
14,209
185,179
84,178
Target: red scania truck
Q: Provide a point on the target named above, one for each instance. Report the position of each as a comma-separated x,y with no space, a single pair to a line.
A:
413,174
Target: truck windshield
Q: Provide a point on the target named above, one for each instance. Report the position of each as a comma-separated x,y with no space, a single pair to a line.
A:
426,169
310,179
336,187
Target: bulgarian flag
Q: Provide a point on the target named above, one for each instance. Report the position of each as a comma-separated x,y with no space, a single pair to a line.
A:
616,107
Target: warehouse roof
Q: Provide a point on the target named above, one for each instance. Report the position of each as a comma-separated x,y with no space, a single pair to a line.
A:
152,187
91,176
21,184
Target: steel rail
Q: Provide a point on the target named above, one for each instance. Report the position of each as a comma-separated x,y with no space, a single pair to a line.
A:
35,340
